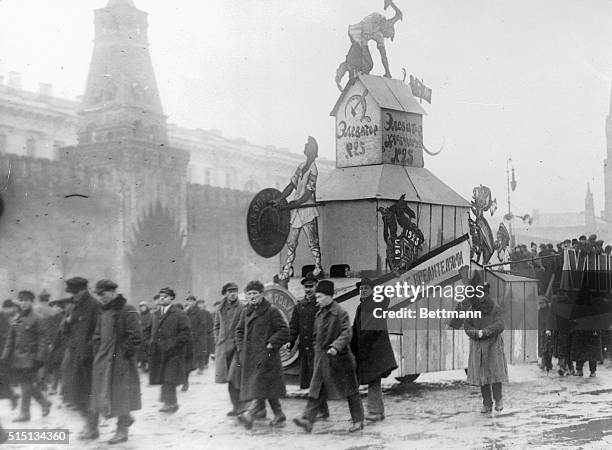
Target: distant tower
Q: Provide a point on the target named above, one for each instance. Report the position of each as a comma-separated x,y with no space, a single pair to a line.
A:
608,166
122,127
589,211
121,98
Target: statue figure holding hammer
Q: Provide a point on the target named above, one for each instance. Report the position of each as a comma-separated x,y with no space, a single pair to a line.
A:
374,27
303,217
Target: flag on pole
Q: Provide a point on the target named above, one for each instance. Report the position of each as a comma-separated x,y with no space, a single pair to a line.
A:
419,89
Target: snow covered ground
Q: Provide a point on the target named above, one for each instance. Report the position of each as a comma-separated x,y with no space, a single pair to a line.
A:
438,411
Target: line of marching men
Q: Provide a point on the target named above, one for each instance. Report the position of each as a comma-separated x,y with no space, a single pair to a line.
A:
99,341
94,346
98,346
335,356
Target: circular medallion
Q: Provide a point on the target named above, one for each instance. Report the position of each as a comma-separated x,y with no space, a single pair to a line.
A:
267,225
285,302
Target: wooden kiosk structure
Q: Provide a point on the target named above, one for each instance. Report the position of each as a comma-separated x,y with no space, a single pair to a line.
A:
379,160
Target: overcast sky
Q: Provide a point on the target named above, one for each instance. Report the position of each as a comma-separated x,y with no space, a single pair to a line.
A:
524,78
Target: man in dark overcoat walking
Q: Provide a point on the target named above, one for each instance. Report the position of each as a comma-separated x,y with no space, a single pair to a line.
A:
146,317
79,327
169,342
487,366
560,323
208,341
197,319
57,348
301,328
116,383
334,364
51,319
260,332
226,319
586,344
9,309
25,352
372,348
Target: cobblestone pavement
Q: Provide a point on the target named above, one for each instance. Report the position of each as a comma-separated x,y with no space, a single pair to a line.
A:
438,411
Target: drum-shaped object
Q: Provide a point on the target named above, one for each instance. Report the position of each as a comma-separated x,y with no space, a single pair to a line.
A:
268,225
285,302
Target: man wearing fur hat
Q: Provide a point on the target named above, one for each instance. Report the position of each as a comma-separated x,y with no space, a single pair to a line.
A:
224,328
487,366
115,381
260,333
334,364
79,326
170,338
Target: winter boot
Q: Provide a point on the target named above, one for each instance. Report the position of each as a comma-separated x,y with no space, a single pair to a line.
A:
303,423
121,435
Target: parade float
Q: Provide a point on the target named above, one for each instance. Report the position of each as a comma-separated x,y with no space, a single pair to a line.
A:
381,214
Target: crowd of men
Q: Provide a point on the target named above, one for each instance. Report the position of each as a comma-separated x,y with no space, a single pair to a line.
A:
539,261
335,355
570,324
90,349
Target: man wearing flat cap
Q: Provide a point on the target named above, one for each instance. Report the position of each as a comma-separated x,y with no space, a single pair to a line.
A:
260,333
372,348
334,364
57,348
200,327
25,352
226,319
301,328
51,319
79,326
170,338
116,383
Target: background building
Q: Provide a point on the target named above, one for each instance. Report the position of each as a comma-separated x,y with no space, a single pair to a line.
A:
104,187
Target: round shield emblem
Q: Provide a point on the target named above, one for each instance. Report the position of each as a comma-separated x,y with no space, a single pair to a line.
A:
268,225
285,302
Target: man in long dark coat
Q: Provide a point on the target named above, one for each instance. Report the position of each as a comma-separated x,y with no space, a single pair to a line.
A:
226,319
51,319
301,328
208,339
372,348
334,364
487,366
57,348
146,318
560,324
79,327
169,342
197,319
260,332
25,352
586,333
9,309
116,383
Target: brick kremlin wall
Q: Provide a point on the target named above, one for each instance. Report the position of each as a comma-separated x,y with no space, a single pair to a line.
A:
218,242
48,234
